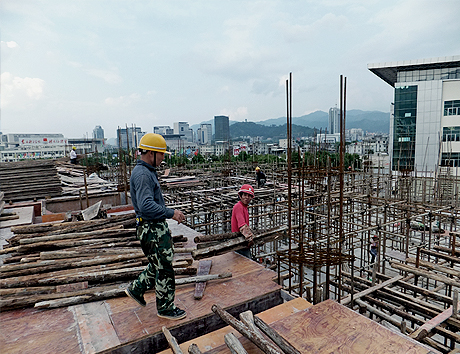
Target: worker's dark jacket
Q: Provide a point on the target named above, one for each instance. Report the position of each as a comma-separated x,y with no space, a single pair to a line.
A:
146,193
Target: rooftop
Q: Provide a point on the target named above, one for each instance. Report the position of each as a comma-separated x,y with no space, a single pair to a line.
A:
388,71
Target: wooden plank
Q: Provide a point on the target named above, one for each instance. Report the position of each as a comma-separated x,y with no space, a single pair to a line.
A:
424,273
426,328
204,267
26,216
96,329
71,287
347,300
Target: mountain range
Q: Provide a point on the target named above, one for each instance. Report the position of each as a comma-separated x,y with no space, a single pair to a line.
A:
368,121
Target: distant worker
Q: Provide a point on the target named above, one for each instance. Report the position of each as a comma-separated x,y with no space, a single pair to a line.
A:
153,231
73,155
260,177
240,218
374,248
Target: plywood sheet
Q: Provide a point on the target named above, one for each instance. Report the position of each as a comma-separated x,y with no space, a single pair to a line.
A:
329,327
215,340
26,217
39,331
325,328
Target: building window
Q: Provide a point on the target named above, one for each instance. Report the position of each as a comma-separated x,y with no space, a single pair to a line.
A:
404,128
451,134
452,108
428,74
451,159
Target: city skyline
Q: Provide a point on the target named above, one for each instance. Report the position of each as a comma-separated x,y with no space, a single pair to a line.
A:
68,67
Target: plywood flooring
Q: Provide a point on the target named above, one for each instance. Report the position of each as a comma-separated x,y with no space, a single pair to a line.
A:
325,328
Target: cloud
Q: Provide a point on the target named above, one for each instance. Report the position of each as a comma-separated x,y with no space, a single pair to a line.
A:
20,91
239,114
238,49
327,24
408,27
123,101
10,44
109,76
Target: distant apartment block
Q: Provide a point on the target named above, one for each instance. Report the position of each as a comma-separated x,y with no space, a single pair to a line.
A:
283,143
163,130
184,129
98,132
204,134
354,134
129,137
425,120
222,128
334,121
207,150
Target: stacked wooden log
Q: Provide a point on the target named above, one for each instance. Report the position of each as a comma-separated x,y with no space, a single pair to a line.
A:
28,180
53,265
213,245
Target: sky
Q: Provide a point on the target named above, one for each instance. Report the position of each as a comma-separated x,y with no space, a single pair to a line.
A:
70,65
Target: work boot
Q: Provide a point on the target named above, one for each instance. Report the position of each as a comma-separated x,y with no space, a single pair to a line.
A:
176,314
136,296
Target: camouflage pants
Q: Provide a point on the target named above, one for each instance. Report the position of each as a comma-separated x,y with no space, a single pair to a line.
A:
157,245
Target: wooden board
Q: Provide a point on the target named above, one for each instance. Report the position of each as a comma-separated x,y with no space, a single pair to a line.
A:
329,327
325,328
215,340
204,267
95,327
26,216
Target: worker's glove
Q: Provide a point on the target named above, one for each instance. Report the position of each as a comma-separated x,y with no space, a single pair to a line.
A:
247,233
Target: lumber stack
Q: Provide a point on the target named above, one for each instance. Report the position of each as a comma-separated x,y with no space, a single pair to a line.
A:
216,244
74,181
28,180
53,265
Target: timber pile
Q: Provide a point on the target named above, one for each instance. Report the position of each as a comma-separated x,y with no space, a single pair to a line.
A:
73,180
172,182
29,180
54,265
217,244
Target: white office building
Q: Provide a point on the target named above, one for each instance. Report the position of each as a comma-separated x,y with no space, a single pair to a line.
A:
204,134
334,121
184,129
17,147
163,130
425,120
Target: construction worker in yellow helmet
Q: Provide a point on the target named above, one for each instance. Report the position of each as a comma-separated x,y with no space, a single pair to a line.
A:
260,177
73,155
152,230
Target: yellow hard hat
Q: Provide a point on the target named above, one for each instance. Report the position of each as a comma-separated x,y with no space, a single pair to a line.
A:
74,148
153,142
257,168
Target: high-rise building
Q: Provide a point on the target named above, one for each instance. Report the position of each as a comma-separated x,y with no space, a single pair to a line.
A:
334,121
222,128
204,133
425,119
98,132
129,136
